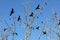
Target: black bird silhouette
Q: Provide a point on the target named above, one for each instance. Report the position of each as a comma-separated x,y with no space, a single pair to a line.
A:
31,15
37,28
44,32
37,7
45,3
19,18
5,29
59,23
32,28
41,21
59,20
15,33
12,11
55,13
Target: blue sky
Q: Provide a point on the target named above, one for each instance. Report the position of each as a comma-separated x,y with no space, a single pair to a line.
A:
5,8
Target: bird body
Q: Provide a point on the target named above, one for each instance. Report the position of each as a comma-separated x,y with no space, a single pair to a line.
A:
12,11
37,28
15,33
37,7
5,29
44,32
42,22
45,3
32,28
19,18
31,14
59,23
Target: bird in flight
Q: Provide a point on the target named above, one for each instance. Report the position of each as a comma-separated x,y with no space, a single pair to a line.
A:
37,27
12,12
44,32
15,33
31,15
37,7
19,18
55,13
32,28
5,29
59,22
42,22
45,3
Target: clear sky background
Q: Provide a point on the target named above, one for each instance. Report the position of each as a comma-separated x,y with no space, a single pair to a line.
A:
5,8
